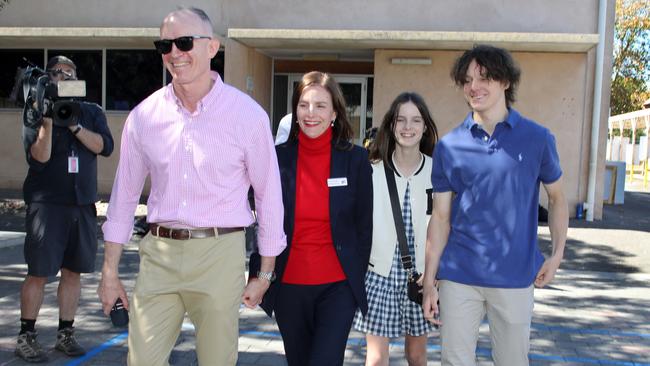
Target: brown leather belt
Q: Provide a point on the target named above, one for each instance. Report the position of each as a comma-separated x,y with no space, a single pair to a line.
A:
185,234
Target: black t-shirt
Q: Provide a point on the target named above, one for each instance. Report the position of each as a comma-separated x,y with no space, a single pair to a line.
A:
50,182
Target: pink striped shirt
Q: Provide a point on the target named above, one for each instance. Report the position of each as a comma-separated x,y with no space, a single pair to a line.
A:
201,166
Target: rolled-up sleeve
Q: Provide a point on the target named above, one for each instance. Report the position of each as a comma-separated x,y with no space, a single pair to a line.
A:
264,175
127,187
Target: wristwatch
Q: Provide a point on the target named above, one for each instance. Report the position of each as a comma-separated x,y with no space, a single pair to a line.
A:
76,130
269,276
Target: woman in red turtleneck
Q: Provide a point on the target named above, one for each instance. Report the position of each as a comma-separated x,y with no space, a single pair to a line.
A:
327,196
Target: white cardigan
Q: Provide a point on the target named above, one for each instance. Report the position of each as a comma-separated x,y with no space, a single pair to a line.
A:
384,235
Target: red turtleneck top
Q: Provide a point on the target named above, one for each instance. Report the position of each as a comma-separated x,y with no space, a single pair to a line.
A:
312,258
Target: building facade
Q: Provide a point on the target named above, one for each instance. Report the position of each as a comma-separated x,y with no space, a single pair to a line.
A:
375,48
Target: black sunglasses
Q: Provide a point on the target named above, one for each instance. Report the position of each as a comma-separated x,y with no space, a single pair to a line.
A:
164,46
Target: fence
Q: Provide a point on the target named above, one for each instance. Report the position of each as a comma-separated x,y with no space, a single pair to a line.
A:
620,148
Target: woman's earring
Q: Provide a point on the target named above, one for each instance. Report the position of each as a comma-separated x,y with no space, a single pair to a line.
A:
332,124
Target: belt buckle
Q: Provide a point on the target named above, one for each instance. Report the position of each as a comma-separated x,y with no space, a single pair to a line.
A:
158,230
216,231
189,234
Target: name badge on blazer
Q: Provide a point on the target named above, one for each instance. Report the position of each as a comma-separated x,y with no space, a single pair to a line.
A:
337,182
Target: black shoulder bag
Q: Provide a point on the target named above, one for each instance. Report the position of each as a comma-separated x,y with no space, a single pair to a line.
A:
414,290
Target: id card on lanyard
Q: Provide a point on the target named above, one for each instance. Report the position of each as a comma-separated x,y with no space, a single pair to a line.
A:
73,163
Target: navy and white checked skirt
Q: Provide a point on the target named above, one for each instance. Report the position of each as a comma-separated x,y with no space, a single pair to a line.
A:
390,312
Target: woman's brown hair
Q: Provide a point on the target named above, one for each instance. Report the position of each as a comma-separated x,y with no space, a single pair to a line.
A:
341,130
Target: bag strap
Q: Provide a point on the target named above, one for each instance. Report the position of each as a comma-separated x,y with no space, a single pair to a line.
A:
407,261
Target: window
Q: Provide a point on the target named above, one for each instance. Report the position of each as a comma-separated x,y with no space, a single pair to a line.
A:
280,95
218,62
369,101
89,68
131,76
12,66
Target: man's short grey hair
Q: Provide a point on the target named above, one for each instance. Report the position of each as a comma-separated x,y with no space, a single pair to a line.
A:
200,13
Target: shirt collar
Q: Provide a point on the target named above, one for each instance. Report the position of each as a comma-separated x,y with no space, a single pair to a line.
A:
512,119
206,100
393,166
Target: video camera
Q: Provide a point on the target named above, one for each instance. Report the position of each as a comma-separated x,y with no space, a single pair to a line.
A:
54,99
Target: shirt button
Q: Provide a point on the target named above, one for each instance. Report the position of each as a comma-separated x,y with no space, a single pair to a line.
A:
485,138
184,203
185,176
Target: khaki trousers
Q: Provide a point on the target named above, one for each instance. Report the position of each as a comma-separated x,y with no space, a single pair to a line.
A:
201,277
509,313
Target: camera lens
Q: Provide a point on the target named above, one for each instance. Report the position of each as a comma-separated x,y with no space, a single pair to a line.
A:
64,112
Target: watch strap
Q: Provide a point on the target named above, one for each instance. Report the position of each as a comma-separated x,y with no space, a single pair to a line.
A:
269,276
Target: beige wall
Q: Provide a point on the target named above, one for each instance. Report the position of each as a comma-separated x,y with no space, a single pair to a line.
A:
557,89
553,16
552,92
242,63
12,154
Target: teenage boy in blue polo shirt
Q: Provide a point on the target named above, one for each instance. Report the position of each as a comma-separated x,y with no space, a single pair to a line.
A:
482,237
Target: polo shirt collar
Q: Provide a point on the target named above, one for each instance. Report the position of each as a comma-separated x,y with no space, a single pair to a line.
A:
512,120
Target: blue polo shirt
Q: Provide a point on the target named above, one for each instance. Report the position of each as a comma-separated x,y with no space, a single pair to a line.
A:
493,236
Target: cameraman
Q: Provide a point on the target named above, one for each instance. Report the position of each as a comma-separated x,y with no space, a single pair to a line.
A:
60,192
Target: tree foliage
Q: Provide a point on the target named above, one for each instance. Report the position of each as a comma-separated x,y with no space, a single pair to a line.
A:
631,72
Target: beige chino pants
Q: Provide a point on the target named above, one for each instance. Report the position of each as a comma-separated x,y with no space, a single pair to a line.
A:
201,277
509,313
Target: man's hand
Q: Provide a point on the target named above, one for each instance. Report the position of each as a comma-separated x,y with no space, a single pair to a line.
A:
430,308
547,272
109,289
254,291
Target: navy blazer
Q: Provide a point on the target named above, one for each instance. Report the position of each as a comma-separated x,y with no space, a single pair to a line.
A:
350,215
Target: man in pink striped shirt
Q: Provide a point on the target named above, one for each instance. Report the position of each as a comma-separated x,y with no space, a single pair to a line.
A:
203,143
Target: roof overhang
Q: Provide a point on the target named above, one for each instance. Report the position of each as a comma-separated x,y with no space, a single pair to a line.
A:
317,40
305,40
65,37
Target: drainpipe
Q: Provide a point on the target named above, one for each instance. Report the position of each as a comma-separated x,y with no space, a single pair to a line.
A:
595,121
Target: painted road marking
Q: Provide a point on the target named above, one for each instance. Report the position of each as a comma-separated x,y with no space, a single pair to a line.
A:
121,338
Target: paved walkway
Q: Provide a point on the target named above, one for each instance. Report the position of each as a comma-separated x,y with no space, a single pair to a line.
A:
596,312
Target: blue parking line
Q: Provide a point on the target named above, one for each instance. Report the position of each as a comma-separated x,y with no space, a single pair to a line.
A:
118,339
480,351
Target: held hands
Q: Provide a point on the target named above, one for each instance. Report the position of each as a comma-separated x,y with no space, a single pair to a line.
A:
109,289
430,303
547,272
254,291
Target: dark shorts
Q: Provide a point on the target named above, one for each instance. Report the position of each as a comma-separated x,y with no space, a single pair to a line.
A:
60,236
